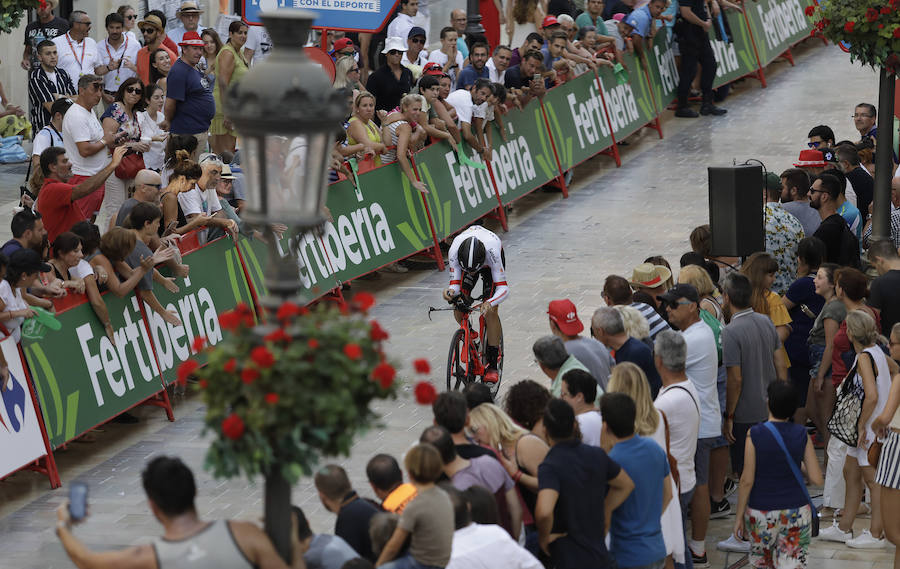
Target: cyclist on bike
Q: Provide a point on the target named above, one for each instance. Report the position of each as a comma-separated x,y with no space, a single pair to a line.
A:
478,252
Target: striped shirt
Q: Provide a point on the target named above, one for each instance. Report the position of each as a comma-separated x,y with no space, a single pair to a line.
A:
656,322
41,89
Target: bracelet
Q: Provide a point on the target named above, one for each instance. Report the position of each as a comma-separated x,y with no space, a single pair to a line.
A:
517,476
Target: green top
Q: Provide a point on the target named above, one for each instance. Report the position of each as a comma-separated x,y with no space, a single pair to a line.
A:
568,365
240,69
584,19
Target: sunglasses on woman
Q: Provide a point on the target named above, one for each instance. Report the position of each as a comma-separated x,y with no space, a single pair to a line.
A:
134,90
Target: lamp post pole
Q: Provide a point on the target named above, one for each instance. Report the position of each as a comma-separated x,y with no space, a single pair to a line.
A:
881,205
473,20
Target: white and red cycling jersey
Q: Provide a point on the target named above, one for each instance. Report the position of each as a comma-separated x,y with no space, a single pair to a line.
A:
493,271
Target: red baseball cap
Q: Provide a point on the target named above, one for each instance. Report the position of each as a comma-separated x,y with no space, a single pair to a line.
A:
433,68
563,313
343,43
549,21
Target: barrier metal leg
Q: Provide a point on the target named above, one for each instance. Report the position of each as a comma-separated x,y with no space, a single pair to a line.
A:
435,248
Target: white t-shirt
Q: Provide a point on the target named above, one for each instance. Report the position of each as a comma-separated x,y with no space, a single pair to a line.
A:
494,76
82,125
421,60
128,49
440,57
77,58
400,26
13,301
81,270
155,157
461,100
590,424
195,201
679,403
480,546
259,41
702,368
44,139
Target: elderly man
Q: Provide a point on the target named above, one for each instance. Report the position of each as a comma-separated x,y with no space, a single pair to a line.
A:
459,20
564,322
147,186
171,491
189,98
57,199
46,27
153,30
46,84
499,63
85,144
202,201
609,328
864,116
551,355
189,14
77,52
679,400
117,57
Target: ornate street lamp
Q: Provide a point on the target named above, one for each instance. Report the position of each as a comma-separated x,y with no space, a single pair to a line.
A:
473,20
285,111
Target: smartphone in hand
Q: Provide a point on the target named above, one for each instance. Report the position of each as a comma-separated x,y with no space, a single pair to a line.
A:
78,493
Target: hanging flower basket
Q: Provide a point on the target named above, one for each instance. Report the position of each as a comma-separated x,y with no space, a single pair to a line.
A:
870,27
12,12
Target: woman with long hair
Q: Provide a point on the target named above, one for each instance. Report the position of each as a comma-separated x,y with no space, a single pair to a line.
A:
872,378
115,245
399,134
522,18
212,45
131,18
231,66
176,142
820,345
346,74
121,123
699,278
362,129
160,65
649,421
149,121
760,269
68,263
184,177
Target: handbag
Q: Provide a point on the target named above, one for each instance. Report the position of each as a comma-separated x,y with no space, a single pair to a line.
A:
814,525
132,163
844,420
874,453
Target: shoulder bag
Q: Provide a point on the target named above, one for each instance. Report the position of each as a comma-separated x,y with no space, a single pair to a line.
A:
844,422
814,526
133,161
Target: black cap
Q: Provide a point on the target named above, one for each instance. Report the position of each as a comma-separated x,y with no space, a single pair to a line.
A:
28,261
416,31
681,290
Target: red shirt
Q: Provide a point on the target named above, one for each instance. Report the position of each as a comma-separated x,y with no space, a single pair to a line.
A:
57,208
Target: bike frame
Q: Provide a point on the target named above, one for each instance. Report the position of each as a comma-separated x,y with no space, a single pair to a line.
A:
472,355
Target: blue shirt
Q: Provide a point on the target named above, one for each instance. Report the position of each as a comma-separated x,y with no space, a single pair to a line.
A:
580,474
638,353
635,531
193,92
10,247
774,485
850,213
469,75
461,47
641,20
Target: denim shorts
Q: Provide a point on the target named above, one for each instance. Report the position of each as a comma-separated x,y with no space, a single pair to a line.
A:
816,352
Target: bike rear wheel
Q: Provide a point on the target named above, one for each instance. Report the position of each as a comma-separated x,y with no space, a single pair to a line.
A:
456,368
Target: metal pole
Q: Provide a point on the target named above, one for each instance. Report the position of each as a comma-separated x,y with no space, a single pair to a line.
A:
473,21
881,205
278,512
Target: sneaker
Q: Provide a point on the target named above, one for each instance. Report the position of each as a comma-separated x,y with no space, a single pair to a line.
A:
686,113
730,486
864,541
711,109
835,533
700,560
734,544
718,510
491,375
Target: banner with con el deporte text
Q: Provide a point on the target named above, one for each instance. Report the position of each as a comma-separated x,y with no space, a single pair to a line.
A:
777,25
215,284
20,429
82,379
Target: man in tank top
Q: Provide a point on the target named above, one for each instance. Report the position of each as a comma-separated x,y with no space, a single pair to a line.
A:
170,489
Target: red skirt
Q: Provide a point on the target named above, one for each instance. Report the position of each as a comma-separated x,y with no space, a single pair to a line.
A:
490,19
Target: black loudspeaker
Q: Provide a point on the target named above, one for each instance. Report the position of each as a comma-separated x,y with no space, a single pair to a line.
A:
736,210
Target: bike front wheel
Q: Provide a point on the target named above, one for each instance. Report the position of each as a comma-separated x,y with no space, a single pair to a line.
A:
456,368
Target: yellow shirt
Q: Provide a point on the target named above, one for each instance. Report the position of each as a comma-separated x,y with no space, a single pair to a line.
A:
778,313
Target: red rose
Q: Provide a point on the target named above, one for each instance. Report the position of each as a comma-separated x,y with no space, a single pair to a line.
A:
422,366
271,398
425,393
384,373
810,10
230,365
897,32
880,26
353,351
377,333
826,21
885,10
262,357
249,375
278,335
287,310
363,301
198,344
230,320
871,14
203,384
233,427
848,27
185,369
313,344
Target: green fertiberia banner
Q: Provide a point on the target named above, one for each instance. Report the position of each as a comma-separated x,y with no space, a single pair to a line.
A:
662,69
522,160
458,194
83,379
216,284
630,104
777,25
734,58
577,121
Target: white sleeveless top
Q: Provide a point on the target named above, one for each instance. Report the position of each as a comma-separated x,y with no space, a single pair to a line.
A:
882,384
212,548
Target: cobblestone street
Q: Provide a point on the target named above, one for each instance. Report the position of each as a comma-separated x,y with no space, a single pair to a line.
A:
556,248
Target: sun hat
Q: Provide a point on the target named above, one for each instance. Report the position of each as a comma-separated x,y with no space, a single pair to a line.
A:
152,21
811,158
649,275
226,172
563,313
189,7
391,44
191,38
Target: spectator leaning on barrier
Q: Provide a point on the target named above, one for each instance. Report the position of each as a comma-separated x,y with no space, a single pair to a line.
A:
471,110
47,83
524,80
171,491
202,201
477,68
57,198
25,266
